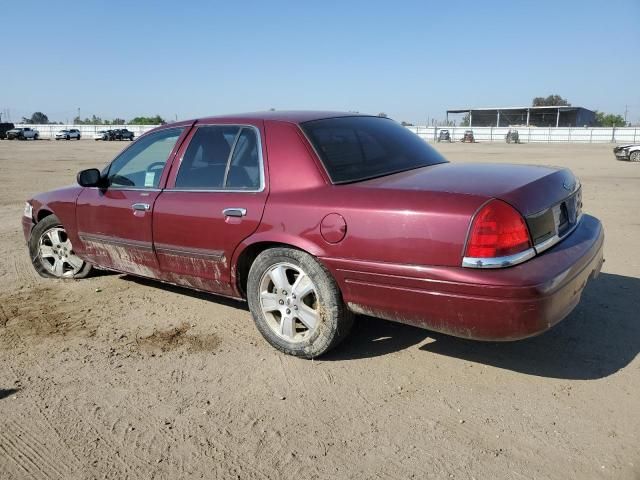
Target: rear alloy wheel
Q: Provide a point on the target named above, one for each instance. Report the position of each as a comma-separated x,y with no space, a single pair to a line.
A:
635,156
51,251
296,304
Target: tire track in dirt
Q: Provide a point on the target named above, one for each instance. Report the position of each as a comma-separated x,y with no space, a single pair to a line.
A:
22,448
156,438
3,317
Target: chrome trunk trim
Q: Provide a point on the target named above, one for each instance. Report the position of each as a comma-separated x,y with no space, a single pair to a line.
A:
499,262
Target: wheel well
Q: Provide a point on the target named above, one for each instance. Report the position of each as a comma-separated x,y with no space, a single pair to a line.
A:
43,214
247,258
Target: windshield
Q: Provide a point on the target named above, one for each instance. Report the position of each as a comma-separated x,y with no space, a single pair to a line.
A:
359,148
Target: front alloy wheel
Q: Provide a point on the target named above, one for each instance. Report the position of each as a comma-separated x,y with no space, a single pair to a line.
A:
51,251
635,156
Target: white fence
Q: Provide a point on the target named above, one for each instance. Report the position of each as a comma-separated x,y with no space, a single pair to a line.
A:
481,134
536,134
86,131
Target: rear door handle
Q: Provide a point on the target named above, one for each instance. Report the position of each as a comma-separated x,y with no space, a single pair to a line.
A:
234,212
141,206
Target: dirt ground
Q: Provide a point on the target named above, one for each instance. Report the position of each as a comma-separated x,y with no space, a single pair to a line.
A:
115,377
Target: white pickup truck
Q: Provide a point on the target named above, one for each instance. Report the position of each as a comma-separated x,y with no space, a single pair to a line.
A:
22,133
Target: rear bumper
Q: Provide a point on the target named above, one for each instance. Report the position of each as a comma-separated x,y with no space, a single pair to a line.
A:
502,304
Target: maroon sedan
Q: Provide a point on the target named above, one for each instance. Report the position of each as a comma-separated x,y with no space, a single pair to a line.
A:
311,217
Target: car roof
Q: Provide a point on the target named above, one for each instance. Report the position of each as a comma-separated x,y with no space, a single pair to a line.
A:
291,116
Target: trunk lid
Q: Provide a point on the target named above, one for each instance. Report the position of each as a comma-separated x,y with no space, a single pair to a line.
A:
548,197
529,188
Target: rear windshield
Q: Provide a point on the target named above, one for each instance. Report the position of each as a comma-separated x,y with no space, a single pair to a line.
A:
359,148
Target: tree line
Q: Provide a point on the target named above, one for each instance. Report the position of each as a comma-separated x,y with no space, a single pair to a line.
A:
39,118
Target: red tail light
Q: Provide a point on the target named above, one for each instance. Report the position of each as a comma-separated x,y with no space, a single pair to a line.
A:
498,230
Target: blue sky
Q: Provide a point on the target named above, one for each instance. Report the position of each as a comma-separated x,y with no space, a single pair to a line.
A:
411,59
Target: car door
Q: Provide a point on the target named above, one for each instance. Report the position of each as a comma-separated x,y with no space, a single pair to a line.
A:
214,199
114,221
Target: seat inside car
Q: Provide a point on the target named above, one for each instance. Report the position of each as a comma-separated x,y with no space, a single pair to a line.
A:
205,160
244,171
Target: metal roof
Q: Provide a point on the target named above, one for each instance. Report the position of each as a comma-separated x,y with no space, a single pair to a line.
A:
503,109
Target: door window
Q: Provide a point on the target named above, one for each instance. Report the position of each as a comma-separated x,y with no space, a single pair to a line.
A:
244,166
221,158
141,165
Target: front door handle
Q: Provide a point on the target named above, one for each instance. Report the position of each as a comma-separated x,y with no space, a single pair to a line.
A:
141,206
234,212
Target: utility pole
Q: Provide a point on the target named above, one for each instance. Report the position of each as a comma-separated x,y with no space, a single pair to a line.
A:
79,119
626,111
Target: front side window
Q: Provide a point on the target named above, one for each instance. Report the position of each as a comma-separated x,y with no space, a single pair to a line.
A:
221,157
141,165
359,148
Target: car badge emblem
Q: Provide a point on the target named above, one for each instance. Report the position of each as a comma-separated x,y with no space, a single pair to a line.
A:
568,186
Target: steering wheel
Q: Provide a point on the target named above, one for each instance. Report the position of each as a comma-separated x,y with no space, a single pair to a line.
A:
119,180
155,166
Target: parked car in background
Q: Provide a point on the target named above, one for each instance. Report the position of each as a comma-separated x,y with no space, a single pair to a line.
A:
629,152
101,135
22,133
444,136
68,134
111,135
347,214
512,136
123,134
4,128
468,137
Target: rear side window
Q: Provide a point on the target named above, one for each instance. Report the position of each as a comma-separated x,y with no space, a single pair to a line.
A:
359,148
221,158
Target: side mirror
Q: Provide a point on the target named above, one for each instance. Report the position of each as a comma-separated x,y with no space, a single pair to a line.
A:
89,177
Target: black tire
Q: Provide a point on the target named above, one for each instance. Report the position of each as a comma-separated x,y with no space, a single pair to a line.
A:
35,137
335,319
34,243
68,137
634,156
